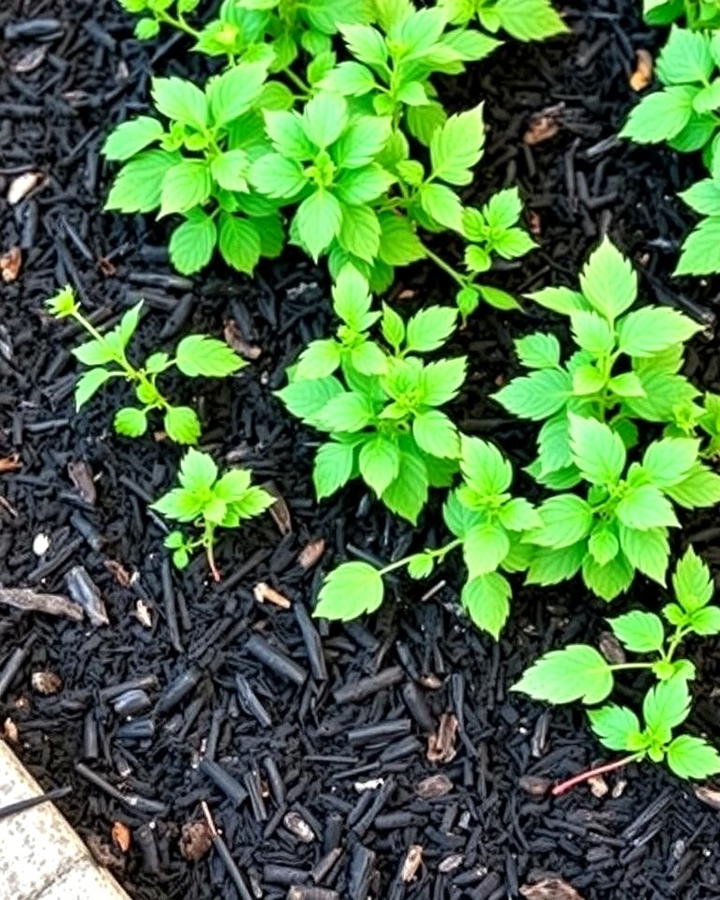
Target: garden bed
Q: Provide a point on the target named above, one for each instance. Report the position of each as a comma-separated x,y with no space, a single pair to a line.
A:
484,822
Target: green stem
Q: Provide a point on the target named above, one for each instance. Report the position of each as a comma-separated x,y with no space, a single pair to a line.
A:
440,553
178,23
617,667
298,82
462,280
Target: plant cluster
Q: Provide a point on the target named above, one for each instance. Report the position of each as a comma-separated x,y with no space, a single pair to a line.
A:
581,673
696,13
340,148
683,114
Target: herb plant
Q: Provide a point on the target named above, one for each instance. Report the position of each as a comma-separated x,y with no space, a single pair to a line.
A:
155,13
525,20
487,523
580,672
106,354
208,501
697,13
379,402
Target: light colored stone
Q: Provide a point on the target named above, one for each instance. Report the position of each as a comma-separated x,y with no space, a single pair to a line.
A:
40,854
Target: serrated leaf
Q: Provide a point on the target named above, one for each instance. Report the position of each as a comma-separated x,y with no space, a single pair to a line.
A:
192,243
430,328
701,488
692,582
319,359
318,221
645,507
181,101
487,601
610,579
608,281
457,146
551,566
700,250
436,434
614,725
692,757
348,411
379,463
182,425
536,396
648,551
668,461
199,354
138,185
324,118
566,519
349,591
131,137
442,204
307,399
229,170
685,58
333,468
641,632
651,330
233,93
484,548
407,494
529,20
666,705
538,351
484,467
703,197
578,672
603,545
239,242
130,421
198,471
561,300
519,514
88,384
185,186
592,332
660,116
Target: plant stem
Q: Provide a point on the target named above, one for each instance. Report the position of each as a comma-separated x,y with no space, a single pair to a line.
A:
178,23
208,540
617,667
439,553
570,783
462,280
298,82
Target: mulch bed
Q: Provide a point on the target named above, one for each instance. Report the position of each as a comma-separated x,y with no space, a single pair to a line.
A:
310,743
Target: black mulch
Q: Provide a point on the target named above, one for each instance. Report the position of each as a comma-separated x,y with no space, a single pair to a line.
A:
316,776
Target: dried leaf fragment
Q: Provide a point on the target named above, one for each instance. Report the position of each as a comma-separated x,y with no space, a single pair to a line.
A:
598,786
46,682
195,840
296,825
433,786
81,476
311,553
10,731
535,785
550,889
119,572
279,510
121,836
10,263
263,592
708,795
31,60
234,338
21,186
411,864
642,76
543,125
10,463
441,745
142,614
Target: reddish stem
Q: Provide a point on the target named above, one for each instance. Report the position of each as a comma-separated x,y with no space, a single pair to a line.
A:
570,783
211,562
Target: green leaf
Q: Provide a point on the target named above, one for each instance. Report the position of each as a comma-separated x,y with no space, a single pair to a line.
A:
253,502
660,116
497,298
700,488
566,519
379,463
700,254
198,472
651,330
668,461
578,672
185,186
614,725
703,197
420,565
592,332
692,757
88,384
641,632
603,545
399,244
318,220
229,170
645,507
333,468
362,141
192,243
181,101
239,242
131,137
596,450
199,354
627,384
307,399
180,504
538,351
442,204
587,380
692,582
232,486
442,380
706,621
511,243
407,494
319,359
608,281
393,327
610,579
365,43
484,467
288,138
360,232
685,58
182,425
349,78
529,20
430,328
436,434
349,591
324,119
503,209
457,146
666,705
130,421
536,396
551,566
484,548
348,412
647,550
560,300
138,185
276,176
486,599
146,29
519,515
234,92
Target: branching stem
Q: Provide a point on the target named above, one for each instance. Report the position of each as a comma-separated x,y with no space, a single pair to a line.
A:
570,783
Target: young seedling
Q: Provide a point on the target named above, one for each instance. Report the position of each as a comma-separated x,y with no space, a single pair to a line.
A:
580,672
380,406
487,523
106,354
208,501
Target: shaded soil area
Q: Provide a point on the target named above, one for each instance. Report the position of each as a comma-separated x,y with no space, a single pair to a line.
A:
316,770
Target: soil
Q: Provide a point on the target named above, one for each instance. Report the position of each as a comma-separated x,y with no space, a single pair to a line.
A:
330,782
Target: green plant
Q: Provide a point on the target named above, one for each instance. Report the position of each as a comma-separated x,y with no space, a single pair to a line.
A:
154,13
106,354
379,402
697,13
580,672
700,254
208,501
525,20
487,523
625,368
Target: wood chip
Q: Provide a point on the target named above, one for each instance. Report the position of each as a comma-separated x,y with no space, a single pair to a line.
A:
707,795
21,186
433,786
31,60
10,463
142,614
441,745
311,553
611,648
535,785
119,572
543,125
10,263
195,840
105,853
52,604
46,682
550,889
121,836
411,864
10,731
279,510
643,74
263,592
598,786
81,476
235,339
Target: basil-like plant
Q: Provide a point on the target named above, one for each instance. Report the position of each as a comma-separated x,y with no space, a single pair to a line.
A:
155,13
488,525
106,355
380,402
525,20
580,672
208,501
